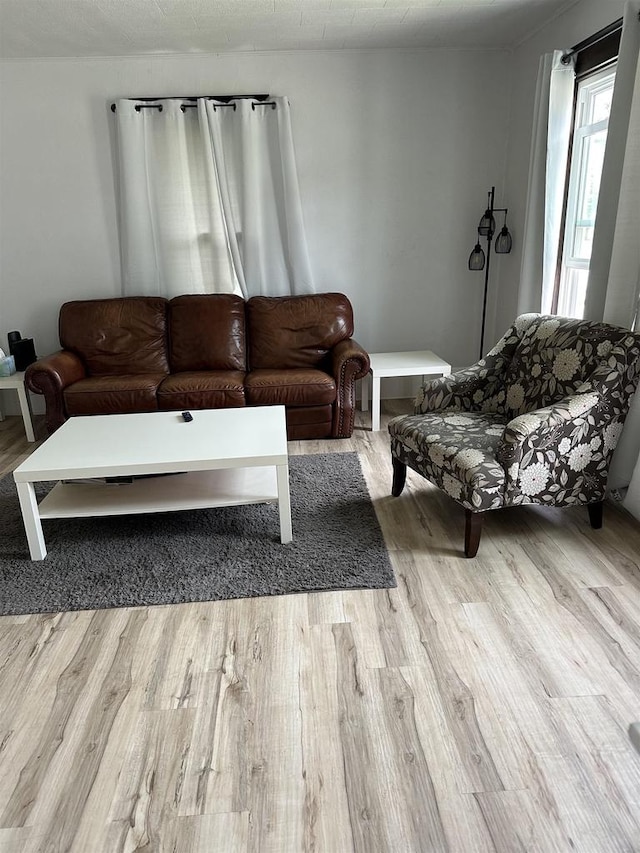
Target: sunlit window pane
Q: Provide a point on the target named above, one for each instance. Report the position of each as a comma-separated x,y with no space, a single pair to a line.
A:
573,291
582,242
601,105
592,160
589,141
592,157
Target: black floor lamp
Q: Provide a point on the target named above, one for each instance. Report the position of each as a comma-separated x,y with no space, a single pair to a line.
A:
478,260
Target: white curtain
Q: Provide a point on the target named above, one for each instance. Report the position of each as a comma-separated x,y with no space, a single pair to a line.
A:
614,277
251,152
547,170
209,199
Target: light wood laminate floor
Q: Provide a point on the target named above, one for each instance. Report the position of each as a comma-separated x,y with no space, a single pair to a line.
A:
483,705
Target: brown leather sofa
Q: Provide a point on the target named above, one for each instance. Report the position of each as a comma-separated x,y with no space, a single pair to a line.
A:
144,354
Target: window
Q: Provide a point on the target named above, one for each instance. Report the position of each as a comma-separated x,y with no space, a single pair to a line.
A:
591,122
595,72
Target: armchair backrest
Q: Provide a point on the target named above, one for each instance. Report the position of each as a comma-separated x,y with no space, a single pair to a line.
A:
554,356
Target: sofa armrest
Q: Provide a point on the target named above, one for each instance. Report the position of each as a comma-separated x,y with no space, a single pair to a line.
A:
49,376
349,362
349,351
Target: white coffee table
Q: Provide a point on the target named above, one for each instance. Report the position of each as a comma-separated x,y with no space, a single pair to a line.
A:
223,457
417,363
15,382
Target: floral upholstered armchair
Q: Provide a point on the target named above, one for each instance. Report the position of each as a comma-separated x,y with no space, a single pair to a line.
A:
534,422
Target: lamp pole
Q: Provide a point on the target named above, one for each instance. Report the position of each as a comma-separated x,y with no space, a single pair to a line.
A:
478,260
489,236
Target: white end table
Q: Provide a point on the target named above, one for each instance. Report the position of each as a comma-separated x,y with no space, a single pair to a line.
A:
16,383
418,363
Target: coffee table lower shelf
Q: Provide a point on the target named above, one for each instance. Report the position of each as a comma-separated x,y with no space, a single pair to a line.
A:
167,493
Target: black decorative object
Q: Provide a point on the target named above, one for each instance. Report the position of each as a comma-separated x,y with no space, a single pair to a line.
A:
478,259
22,349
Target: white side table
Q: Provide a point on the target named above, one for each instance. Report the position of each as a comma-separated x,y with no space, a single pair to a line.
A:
16,382
422,363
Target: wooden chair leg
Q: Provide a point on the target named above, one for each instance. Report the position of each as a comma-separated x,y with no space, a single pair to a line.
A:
595,514
472,532
399,476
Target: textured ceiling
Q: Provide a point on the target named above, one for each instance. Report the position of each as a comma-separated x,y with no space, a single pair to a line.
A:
50,28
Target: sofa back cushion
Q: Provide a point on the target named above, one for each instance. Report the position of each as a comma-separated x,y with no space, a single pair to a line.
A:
296,331
554,356
207,332
117,336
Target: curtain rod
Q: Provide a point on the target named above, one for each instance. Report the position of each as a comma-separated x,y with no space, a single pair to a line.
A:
224,98
591,40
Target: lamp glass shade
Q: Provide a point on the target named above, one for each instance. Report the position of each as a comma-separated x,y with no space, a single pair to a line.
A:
487,224
503,241
476,258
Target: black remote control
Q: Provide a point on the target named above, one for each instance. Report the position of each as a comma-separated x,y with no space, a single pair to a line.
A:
187,416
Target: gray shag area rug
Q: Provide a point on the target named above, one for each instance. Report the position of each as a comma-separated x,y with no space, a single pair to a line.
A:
200,555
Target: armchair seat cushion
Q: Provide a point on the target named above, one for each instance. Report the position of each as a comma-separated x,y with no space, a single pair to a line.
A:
118,394
202,389
456,451
294,387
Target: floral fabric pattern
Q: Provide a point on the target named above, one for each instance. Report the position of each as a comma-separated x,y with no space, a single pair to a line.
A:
535,421
479,388
456,452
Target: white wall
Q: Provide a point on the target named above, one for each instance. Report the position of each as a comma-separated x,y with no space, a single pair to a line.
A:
396,150
568,29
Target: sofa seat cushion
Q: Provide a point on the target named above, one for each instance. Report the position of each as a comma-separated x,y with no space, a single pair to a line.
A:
456,451
295,387
107,395
202,389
